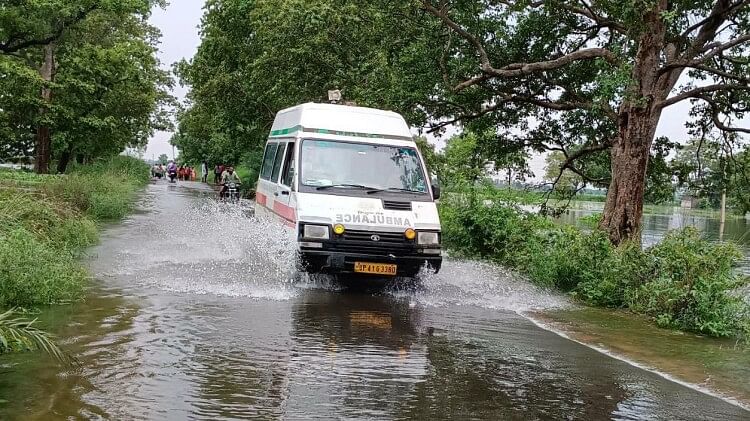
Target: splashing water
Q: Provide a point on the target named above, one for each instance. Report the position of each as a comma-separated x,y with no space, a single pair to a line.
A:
202,247
472,283
183,244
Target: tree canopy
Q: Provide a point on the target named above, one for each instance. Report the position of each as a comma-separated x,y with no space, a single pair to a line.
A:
106,90
590,80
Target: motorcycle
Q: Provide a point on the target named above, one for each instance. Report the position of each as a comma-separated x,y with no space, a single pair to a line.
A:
232,192
172,176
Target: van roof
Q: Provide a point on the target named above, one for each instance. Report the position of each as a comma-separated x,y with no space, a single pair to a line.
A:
342,120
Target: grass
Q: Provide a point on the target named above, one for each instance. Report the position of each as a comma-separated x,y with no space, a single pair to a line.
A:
684,282
46,222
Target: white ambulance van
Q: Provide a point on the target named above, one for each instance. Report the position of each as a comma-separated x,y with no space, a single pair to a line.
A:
352,184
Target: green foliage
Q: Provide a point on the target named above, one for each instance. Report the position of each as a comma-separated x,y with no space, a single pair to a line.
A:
18,334
108,89
34,272
684,282
47,221
693,285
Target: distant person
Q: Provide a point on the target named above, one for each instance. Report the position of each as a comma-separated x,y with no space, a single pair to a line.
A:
192,173
218,170
204,172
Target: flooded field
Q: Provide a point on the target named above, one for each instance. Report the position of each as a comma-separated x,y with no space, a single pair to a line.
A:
195,314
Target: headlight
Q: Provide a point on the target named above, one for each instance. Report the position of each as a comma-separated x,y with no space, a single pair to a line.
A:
318,232
428,239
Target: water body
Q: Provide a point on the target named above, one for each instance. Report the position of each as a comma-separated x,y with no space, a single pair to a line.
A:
657,221
194,315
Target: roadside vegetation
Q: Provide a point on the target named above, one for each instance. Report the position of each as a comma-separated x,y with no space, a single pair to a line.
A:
46,222
684,282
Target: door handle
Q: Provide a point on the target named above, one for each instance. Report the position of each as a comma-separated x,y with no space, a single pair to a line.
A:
285,193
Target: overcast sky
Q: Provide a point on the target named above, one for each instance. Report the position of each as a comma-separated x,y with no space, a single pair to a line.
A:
179,24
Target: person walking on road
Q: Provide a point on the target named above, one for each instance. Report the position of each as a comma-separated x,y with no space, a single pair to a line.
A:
218,170
204,172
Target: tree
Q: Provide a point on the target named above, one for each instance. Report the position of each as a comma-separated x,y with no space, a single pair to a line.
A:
589,80
258,57
98,88
707,169
594,77
466,161
163,159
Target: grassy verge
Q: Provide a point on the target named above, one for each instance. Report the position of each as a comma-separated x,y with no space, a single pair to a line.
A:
684,282
45,224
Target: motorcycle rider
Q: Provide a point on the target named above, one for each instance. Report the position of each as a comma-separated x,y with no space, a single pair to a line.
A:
228,177
172,171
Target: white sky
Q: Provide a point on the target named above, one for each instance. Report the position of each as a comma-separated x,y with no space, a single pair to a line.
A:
179,24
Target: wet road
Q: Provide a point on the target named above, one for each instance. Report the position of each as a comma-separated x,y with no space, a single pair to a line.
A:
194,316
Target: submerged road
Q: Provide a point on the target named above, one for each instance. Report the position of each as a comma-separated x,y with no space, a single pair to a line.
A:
193,315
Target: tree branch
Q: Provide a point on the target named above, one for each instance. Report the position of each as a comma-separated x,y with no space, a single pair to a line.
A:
12,46
585,11
515,69
697,93
718,11
715,118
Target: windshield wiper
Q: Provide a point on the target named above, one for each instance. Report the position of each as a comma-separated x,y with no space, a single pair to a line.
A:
403,190
369,189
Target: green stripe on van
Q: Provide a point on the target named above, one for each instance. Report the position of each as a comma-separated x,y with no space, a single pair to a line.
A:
284,132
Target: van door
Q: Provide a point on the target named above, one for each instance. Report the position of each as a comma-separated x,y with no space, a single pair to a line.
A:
267,187
276,201
285,197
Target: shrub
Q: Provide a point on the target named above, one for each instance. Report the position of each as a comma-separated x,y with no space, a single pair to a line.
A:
34,273
694,286
47,221
684,282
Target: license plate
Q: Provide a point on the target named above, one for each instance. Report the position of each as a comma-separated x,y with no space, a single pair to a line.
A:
375,268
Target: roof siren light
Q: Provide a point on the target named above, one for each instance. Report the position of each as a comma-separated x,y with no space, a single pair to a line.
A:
334,96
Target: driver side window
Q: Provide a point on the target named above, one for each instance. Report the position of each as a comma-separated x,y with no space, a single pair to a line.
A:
287,177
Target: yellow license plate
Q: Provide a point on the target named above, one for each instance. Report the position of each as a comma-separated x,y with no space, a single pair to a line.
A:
375,268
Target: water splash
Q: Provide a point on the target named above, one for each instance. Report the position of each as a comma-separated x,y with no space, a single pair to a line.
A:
200,246
472,283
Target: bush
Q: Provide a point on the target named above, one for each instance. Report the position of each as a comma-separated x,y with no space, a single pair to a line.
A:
33,273
693,286
47,221
684,282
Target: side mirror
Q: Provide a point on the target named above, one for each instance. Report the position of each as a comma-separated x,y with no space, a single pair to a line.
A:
435,192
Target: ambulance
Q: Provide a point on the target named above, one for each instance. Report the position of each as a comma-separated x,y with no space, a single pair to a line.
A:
353,186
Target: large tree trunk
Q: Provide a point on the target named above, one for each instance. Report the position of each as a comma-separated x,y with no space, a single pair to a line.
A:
43,143
638,117
630,153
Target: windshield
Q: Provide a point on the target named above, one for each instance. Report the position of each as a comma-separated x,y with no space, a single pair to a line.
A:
328,163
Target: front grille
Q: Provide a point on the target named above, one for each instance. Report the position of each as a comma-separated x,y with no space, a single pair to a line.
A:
362,242
394,205
384,237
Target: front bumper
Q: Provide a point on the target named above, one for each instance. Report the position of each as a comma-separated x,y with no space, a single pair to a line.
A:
328,261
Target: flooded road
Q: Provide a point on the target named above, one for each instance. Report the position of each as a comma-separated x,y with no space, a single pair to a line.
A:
194,315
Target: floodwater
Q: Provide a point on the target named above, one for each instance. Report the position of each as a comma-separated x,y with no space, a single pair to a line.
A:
194,314
657,221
